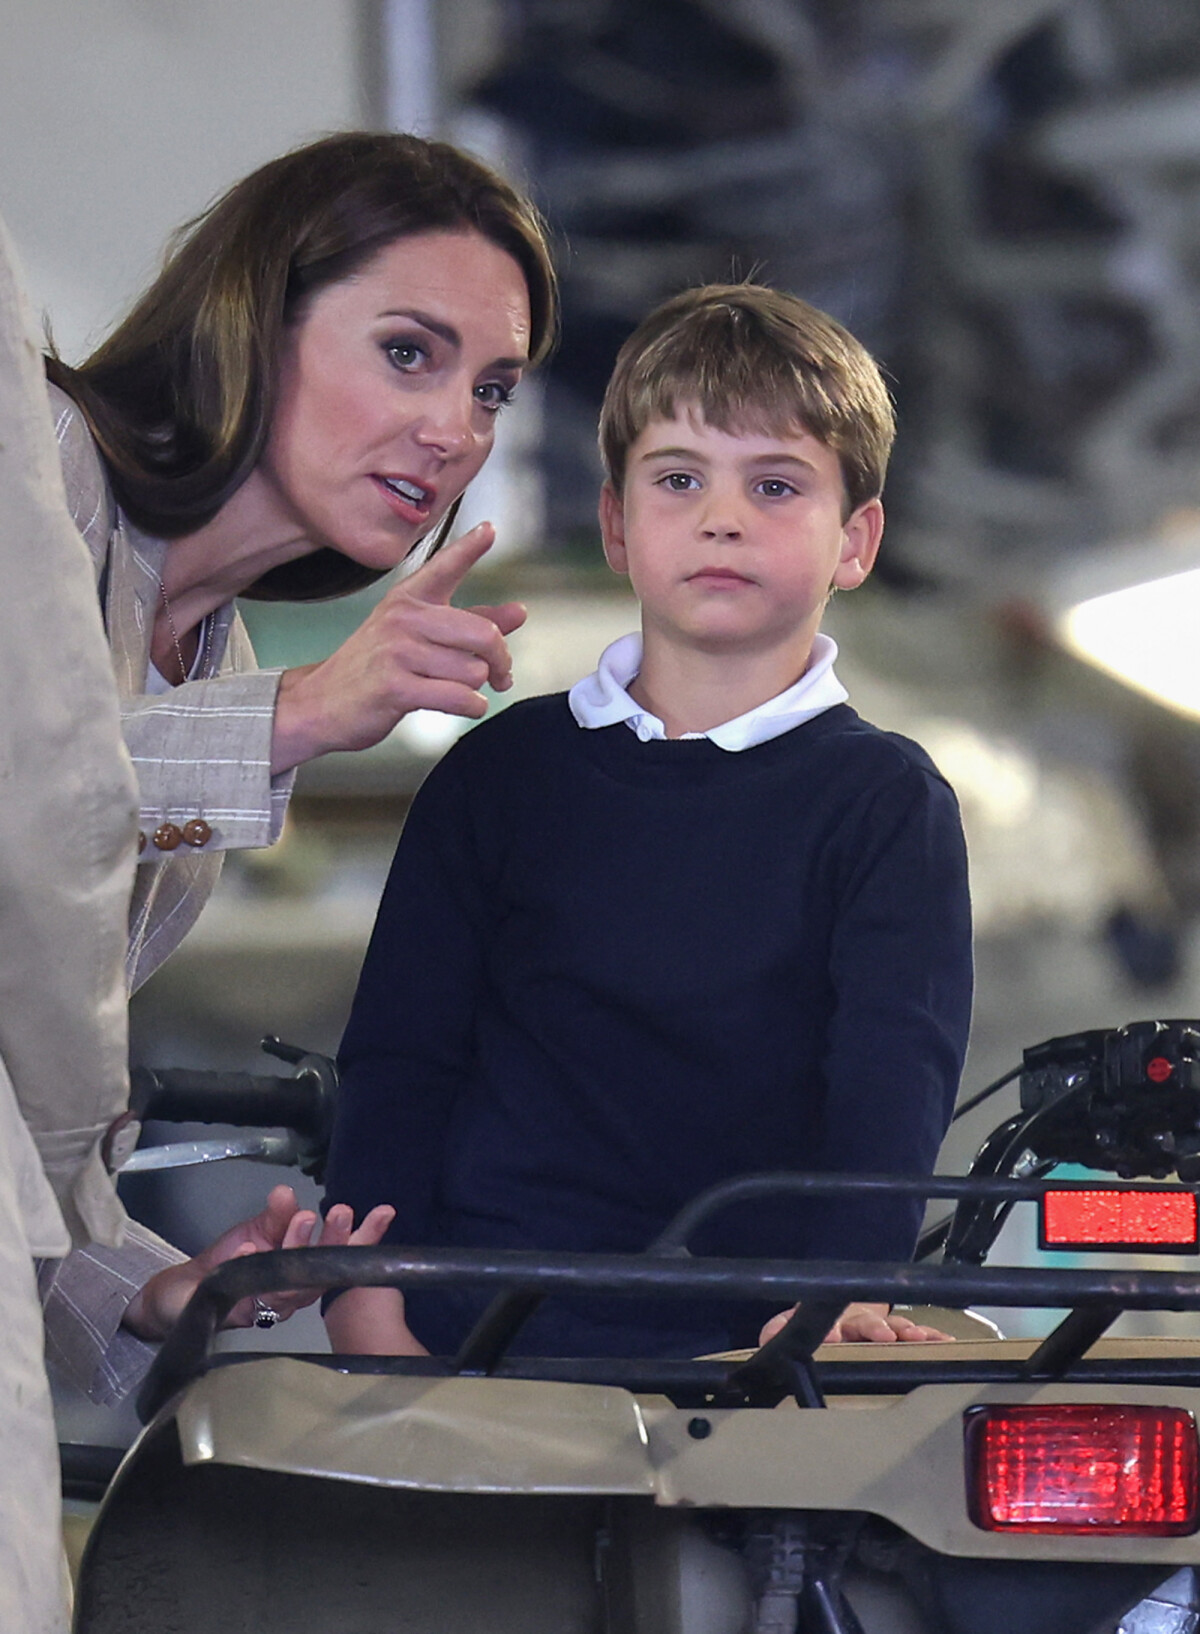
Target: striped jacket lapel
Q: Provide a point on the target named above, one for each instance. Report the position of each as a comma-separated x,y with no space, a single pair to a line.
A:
133,575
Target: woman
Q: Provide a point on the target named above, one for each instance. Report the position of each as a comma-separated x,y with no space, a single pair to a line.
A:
297,401
63,1051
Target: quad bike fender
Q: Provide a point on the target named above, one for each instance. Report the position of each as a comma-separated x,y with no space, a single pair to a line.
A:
899,1457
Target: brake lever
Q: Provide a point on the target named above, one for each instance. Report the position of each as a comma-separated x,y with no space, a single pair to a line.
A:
261,1145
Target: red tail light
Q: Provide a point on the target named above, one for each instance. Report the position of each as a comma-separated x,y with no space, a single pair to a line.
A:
1084,1469
1110,1218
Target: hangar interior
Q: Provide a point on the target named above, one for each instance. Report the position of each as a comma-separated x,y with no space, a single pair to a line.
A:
1003,201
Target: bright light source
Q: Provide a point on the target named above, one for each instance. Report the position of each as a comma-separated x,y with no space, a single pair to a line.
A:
428,732
1110,1218
1083,1469
1145,636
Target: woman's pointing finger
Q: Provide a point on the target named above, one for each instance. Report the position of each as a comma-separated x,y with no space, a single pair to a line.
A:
440,577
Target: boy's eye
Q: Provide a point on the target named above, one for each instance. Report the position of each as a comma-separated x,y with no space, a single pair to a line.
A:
678,482
405,355
775,488
494,395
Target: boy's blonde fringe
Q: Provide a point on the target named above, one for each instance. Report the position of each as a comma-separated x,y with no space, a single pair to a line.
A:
749,358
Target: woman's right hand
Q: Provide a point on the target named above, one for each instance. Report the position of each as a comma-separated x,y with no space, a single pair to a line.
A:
412,651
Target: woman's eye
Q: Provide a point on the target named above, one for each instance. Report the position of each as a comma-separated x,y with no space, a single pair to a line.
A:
495,395
405,355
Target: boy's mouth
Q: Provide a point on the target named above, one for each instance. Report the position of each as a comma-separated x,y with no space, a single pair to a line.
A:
718,575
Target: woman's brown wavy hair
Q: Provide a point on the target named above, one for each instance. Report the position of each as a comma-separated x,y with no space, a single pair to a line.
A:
181,395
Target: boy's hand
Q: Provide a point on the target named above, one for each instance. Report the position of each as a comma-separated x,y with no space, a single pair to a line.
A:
866,1324
155,1309
371,1322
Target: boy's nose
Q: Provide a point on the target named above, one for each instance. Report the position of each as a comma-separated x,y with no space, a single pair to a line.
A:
721,522
721,516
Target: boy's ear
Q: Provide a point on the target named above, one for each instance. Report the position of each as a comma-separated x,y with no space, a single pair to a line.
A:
861,534
612,528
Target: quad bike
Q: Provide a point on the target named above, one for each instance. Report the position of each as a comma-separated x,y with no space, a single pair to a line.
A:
988,1486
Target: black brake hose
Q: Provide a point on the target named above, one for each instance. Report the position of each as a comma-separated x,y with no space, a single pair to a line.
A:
960,1224
935,1236
986,1094
966,1244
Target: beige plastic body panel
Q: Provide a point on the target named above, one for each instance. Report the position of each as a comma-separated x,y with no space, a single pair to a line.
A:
899,1457
440,1435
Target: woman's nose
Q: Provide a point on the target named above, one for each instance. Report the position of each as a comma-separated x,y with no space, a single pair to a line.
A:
449,425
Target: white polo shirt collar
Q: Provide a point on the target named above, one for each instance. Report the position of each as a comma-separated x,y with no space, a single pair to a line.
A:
601,699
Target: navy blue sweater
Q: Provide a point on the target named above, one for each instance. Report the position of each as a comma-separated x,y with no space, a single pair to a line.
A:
608,973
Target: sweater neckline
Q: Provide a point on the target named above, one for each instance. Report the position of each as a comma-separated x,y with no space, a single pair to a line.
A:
621,754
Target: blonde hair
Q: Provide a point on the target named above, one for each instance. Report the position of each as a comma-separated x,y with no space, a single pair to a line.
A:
752,358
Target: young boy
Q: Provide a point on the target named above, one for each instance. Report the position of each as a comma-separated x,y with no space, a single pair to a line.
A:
691,920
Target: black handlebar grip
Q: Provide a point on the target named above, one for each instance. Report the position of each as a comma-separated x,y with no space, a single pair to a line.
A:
303,1102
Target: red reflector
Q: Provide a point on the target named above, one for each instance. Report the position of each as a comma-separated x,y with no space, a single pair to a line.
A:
1084,1469
1159,1069
1111,1218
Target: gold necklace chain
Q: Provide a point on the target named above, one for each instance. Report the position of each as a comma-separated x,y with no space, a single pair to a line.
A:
183,672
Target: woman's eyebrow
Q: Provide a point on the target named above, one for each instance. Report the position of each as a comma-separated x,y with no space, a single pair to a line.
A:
435,326
448,333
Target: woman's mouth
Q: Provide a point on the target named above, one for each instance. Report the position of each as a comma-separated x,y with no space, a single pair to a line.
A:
408,498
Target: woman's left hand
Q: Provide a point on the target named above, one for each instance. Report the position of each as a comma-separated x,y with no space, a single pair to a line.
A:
156,1308
865,1324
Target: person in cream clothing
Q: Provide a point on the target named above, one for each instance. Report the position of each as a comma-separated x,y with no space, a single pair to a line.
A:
68,825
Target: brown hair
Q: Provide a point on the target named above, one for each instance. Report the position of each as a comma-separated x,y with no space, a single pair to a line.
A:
181,395
751,357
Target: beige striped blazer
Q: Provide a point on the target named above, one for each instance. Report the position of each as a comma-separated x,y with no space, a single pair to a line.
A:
66,822
66,867
202,750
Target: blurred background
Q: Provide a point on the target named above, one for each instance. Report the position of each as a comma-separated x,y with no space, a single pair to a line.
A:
1002,200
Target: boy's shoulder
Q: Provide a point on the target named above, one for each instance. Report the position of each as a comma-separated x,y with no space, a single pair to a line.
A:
846,747
843,731
529,725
